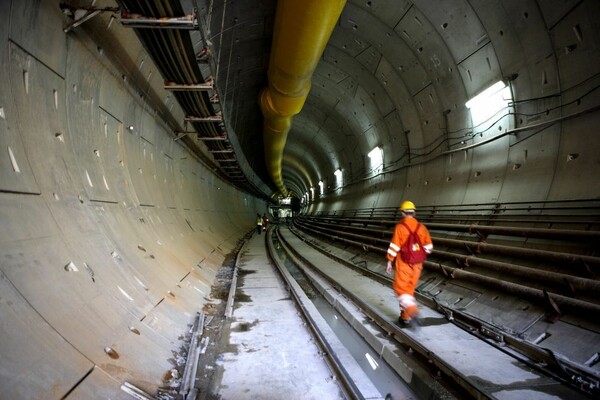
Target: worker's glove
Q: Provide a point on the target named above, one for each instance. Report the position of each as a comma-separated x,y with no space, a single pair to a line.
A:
389,268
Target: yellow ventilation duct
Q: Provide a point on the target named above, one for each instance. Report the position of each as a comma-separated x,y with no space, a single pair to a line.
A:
302,29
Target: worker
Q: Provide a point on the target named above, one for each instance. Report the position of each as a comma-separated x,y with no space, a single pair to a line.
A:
259,223
410,245
265,221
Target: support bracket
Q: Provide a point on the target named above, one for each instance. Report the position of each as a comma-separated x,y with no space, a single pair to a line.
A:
132,20
198,87
83,14
212,118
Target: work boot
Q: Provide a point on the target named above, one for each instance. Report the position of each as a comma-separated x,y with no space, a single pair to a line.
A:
404,323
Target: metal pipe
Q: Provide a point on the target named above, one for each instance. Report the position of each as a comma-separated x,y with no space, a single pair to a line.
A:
192,87
562,234
133,20
523,232
301,32
514,218
480,247
545,255
511,287
578,283
517,289
335,362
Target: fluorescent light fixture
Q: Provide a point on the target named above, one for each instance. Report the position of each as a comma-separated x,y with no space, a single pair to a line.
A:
487,93
375,153
338,177
320,187
489,102
376,157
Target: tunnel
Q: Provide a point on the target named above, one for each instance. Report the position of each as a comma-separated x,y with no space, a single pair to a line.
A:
137,149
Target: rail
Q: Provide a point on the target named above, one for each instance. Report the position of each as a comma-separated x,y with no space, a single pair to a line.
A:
535,357
554,363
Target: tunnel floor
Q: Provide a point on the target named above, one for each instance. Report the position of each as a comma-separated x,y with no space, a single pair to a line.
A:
265,351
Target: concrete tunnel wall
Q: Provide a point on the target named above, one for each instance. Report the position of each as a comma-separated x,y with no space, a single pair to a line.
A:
110,232
548,54
111,238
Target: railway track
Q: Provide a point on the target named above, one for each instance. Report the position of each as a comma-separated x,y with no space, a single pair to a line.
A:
436,360
414,377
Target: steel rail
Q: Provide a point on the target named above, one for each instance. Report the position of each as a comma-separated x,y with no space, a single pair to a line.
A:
233,285
335,364
390,327
193,355
535,356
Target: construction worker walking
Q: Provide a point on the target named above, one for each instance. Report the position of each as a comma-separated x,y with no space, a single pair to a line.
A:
410,245
259,223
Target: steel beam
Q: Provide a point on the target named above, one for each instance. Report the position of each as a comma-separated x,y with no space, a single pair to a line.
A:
196,87
181,135
212,138
131,20
212,118
220,151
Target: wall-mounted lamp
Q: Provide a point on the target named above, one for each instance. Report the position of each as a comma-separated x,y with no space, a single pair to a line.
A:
338,177
489,102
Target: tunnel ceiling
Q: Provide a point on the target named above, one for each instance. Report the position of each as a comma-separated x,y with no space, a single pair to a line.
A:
394,74
239,36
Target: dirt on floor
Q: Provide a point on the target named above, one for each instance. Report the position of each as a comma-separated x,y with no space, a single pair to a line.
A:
216,331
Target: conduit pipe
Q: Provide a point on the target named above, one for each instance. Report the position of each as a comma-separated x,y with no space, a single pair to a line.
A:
579,284
576,305
539,255
476,247
484,230
302,30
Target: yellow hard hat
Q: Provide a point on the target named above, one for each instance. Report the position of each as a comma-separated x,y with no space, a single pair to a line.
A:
408,206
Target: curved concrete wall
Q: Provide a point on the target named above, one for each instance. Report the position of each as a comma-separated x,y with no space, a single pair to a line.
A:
111,237
405,75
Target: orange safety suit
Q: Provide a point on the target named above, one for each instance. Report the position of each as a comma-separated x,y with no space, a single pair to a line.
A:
407,276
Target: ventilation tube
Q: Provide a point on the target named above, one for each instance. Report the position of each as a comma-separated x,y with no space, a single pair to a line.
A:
302,30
